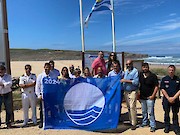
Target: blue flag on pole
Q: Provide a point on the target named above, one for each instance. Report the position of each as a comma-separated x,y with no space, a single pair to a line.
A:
99,5
82,103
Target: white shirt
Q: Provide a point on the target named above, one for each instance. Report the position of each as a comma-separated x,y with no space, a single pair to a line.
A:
71,75
39,83
25,79
7,82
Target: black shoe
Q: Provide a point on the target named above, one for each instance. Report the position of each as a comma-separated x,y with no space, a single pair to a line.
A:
152,129
133,127
177,132
166,130
40,125
9,126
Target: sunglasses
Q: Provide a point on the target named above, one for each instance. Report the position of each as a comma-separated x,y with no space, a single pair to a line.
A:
128,64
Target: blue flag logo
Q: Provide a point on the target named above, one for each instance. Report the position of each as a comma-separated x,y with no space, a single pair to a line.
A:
82,103
87,106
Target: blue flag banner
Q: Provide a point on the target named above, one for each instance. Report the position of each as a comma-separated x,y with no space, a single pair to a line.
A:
99,5
82,103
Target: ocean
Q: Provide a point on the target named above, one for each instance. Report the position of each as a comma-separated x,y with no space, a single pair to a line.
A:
165,59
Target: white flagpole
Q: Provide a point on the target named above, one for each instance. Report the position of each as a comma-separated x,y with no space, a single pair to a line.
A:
113,27
82,33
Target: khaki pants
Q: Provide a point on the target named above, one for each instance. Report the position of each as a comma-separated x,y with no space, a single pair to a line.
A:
131,99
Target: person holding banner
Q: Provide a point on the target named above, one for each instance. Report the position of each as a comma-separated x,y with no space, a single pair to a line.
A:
27,83
100,73
53,70
5,94
99,62
130,85
87,72
117,71
64,74
39,88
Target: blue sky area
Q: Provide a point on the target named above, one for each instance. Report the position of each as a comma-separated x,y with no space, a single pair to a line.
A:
142,26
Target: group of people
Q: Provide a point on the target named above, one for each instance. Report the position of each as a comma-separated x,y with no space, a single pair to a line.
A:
132,81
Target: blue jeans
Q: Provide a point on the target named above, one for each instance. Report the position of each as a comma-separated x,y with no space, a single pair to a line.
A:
6,99
148,108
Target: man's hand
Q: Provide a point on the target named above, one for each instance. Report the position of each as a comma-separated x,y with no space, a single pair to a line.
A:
122,80
151,97
171,100
40,97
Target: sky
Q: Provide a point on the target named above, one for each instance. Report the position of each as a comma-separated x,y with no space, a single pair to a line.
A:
141,26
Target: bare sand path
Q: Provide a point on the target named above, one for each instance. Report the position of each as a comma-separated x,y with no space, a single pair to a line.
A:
122,128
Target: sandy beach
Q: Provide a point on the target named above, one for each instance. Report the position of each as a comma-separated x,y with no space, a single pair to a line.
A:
17,69
121,129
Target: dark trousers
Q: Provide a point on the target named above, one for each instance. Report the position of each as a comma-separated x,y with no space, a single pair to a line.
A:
41,112
175,109
6,99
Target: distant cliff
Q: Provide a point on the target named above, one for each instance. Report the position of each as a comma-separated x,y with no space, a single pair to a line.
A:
47,54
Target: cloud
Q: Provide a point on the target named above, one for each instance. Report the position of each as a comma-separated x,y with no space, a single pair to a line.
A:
172,14
134,7
164,26
150,40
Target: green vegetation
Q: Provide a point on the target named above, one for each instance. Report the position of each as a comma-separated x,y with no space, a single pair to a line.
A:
17,103
163,71
48,54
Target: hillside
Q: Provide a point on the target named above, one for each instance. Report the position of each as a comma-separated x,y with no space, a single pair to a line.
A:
47,54
43,54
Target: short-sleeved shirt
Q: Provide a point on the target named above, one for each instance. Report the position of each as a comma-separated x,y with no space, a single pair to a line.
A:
99,63
55,72
147,85
170,85
25,79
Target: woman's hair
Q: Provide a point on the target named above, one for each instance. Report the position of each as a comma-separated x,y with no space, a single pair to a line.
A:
114,54
67,75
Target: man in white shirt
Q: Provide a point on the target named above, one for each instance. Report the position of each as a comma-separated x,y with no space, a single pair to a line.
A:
5,94
71,72
39,88
27,83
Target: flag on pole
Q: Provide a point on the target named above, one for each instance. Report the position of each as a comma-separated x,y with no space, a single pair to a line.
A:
99,5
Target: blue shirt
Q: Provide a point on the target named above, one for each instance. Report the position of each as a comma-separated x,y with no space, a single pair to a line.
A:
113,73
55,72
133,76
